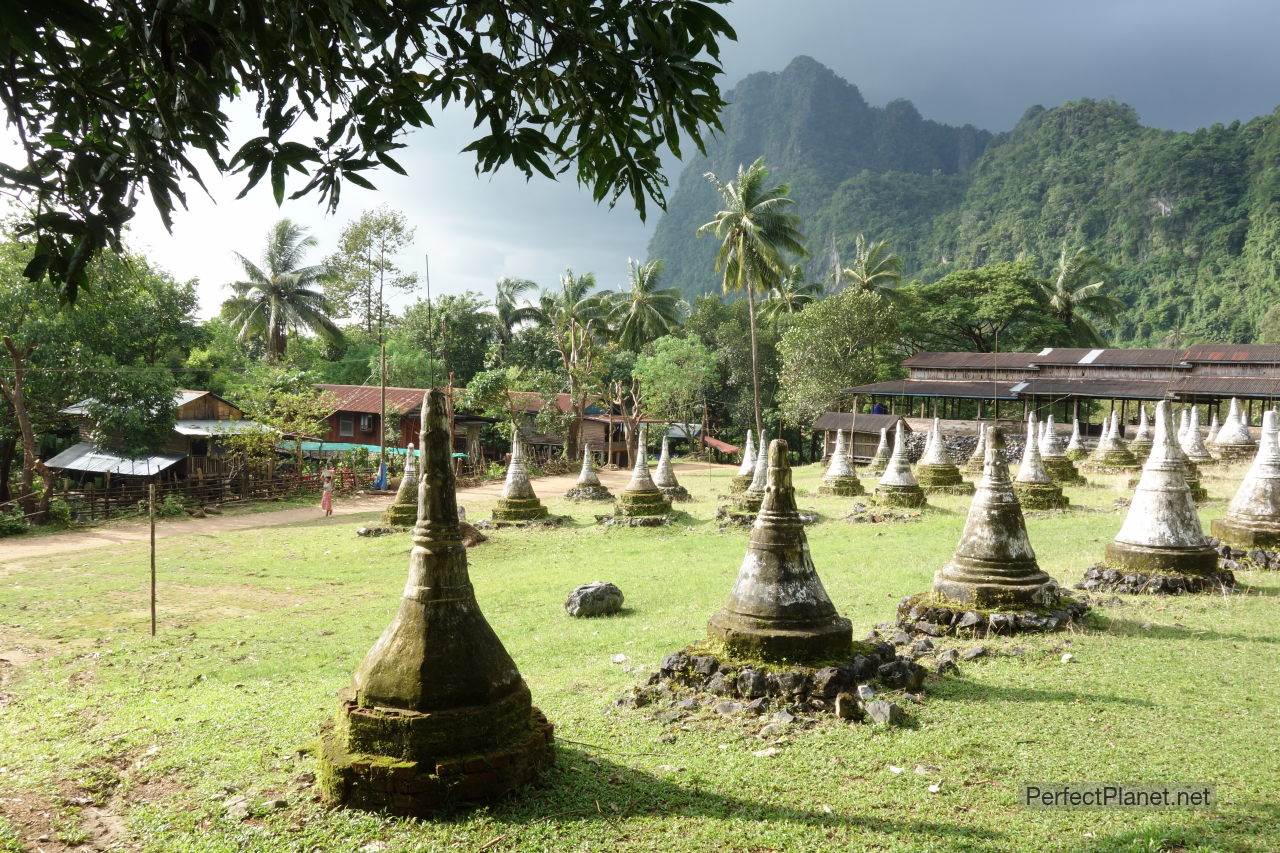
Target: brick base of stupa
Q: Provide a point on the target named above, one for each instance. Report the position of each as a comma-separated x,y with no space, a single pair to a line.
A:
1036,496
900,496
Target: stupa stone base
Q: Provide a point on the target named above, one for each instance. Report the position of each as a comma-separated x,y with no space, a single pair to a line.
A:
1140,449
634,520
748,503
426,786
845,487
1143,559
935,476
1234,452
524,523
1077,455
642,504
862,514
973,468
400,515
1063,471
934,615
961,488
739,483
676,494
1112,462
850,686
731,516
518,509
900,496
875,470
1040,496
1241,534
1199,494
589,493
1103,578
755,639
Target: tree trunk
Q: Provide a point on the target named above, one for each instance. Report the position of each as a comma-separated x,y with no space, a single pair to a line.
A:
7,446
31,465
755,366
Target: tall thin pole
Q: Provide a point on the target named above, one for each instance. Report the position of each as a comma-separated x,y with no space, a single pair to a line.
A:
151,511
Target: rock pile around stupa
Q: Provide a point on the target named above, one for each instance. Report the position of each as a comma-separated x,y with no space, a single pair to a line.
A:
1054,457
1141,444
665,477
898,486
641,503
880,461
1076,451
403,511
1034,487
840,478
437,713
588,487
1112,455
935,472
518,505
993,584
747,470
973,465
1234,441
1252,521
1161,547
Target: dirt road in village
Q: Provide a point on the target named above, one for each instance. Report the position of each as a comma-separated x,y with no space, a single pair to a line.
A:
19,548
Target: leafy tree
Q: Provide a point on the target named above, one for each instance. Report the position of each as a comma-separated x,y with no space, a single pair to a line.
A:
1071,298
364,266
281,295
676,374
831,345
286,407
508,311
791,294
644,311
724,328
996,308
1269,326
875,269
575,317
454,330
754,228
543,82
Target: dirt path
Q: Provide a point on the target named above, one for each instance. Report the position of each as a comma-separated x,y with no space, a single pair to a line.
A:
15,550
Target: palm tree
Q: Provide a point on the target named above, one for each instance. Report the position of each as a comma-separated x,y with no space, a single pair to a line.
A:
1070,298
790,295
875,269
754,229
286,296
508,311
644,312
575,316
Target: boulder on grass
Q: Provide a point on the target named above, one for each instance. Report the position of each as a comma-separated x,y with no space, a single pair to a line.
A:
594,599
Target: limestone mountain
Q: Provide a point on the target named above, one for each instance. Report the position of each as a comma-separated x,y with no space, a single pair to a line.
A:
1190,222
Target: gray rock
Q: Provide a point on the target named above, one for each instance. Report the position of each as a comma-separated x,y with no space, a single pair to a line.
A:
948,656
719,685
901,638
756,706
773,730
975,652
866,692
728,707
704,664
688,704
969,619
884,713
922,646
751,684
848,707
594,599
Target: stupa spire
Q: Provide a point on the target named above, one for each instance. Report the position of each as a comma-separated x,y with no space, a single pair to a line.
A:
588,487
665,476
840,478
898,486
1252,519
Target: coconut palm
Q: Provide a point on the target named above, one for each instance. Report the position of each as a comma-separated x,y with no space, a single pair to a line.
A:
575,316
283,295
1070,297
754,229
644,312
875,269
791,294
508,312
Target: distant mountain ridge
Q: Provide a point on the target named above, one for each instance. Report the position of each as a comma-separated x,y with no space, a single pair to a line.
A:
1190,221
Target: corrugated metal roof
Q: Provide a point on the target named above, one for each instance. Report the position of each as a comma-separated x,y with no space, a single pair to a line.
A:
86,456
1114,357
1131,389
367,399
1003,360
1235,353
860,423
975,389
215,427
1226,386
722,446
181,398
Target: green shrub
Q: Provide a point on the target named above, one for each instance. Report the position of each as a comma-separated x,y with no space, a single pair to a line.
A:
12,522
59,513
171,507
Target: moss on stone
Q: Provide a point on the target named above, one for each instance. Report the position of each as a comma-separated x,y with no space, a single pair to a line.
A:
899,496
1036,496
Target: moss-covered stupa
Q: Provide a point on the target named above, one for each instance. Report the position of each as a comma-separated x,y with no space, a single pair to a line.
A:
403,511
740,481
1054,457
665,477
642,502
935,472
1234,441
750,500
437,713
1112,455
517,504
588,487
840,478
1076,450
1161,546
1192,442
778,609
1253,517
993,583
973,465
880,461
898,486
1141,444
1033,486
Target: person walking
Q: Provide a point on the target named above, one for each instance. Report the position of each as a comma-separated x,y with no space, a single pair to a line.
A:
326,493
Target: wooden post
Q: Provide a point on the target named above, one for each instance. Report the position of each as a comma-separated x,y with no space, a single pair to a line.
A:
152,513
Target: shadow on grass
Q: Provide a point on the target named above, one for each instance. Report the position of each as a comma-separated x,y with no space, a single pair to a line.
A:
960,688
1181,830
587,788
1168,632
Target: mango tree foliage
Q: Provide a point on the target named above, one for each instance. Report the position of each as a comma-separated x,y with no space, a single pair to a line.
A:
675,373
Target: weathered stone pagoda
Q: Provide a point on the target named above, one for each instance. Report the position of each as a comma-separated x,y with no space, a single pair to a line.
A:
1234,440
935,472
437,714
898,486
403,511
1033,486
840,478
1060,469
518,505
1141,444
665,477
880,461
1111,455
973,465
1192,443
1076,450
642,503
993,583
1161,547
1213,428
750,500
739,483
778,609
1252,520
588,487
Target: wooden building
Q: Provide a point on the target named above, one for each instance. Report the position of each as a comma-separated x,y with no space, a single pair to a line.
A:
357,419
1078,382
862,430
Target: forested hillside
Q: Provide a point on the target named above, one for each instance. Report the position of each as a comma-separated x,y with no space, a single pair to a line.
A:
1188,221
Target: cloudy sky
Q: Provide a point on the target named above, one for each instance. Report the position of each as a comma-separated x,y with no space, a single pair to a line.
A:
1182,63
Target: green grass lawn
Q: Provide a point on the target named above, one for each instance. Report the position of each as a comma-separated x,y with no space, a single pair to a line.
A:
108,735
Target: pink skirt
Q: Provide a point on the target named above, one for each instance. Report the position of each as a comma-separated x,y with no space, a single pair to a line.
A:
326,501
